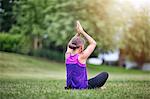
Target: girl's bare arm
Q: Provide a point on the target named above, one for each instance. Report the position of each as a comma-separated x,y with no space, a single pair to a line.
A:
92,43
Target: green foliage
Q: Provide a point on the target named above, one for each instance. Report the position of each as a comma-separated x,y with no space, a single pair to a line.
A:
96,19
60,21
35,18
13,43
56,19
29,17
9,42
7,19
49,24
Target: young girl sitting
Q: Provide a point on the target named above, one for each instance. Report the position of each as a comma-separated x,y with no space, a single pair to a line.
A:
76,58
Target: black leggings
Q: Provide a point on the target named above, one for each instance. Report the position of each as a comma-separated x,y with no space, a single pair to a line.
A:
98,81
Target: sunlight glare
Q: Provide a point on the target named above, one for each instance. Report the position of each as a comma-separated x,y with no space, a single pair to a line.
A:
137,3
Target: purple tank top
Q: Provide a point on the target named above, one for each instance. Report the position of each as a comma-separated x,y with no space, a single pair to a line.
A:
76,73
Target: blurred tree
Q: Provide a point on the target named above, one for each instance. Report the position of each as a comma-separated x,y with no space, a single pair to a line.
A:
56,20
6,15
50,23
136,38
30,18
60,19
45,19
121,13
133,30
98,22
53,21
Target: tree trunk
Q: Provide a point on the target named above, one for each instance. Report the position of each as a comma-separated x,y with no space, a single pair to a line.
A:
121,61
37,43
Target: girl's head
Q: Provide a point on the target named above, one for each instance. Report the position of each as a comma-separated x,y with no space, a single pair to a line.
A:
77,43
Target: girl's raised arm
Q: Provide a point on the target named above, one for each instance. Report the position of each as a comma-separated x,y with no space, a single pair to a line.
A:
92,43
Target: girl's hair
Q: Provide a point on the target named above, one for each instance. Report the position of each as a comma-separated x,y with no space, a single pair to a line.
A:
76,43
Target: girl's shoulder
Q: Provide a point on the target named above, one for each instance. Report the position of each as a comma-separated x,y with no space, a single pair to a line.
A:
67,55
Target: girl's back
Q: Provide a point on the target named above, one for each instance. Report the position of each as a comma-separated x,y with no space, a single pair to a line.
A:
76,73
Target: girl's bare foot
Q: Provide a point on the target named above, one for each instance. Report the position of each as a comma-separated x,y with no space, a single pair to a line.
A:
103,87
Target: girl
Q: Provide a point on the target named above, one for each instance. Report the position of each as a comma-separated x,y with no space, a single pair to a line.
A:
76,58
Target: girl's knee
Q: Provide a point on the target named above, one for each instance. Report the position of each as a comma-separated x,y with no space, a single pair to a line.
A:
105,74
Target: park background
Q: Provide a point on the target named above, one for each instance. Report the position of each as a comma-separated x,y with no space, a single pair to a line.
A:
34,35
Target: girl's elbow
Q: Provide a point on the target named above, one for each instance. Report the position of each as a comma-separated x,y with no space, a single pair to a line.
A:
95,43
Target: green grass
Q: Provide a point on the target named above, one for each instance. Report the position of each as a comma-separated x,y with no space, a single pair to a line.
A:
24,77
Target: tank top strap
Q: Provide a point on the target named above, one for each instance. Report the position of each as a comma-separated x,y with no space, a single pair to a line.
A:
74,59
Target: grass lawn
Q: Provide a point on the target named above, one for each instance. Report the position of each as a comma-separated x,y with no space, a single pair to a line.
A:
24,77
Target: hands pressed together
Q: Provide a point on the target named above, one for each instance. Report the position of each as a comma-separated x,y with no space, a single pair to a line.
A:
79,28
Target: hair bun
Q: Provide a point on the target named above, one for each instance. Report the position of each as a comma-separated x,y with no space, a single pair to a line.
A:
76,42
73,46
